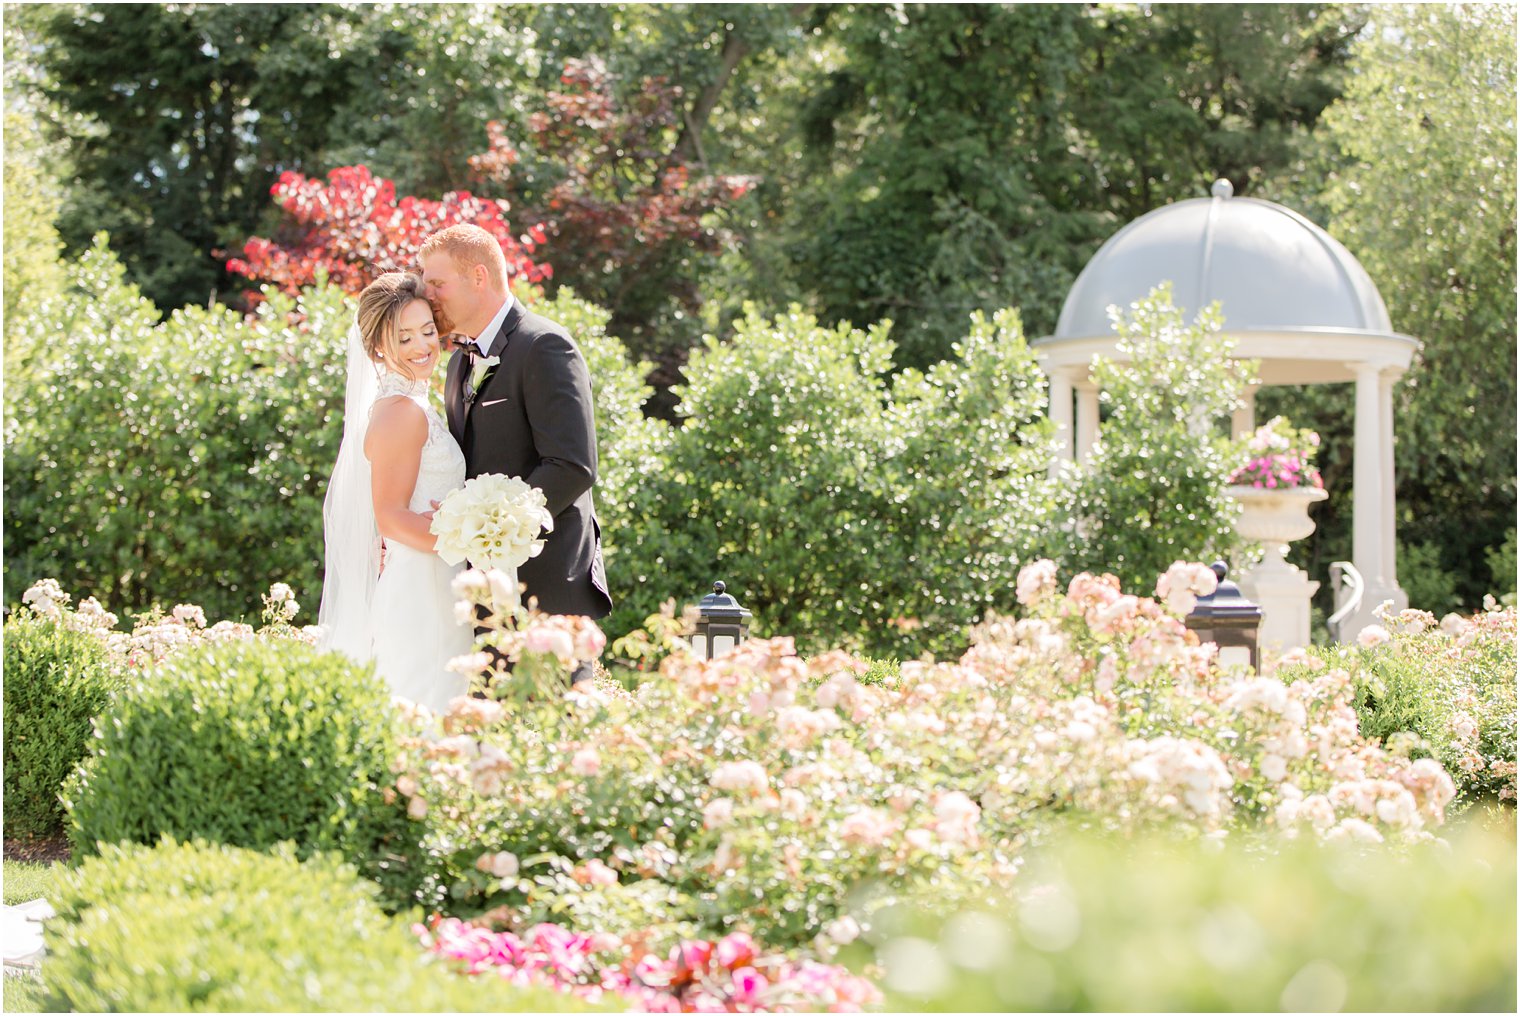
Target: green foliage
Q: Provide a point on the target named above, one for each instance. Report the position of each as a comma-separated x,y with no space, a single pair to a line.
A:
32,271
1430,585
975,155
182,117
1502,568
145,458
200,927
24,993
1161,926
249,744
56,681
832,500
1427,204
1152,491
886,673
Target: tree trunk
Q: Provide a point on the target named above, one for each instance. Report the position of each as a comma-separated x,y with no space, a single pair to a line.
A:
689,145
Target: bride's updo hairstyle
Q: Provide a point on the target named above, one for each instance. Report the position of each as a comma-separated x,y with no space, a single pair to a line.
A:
380,307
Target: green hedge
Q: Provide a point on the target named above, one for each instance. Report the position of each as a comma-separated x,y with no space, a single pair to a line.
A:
200,927
56,681
250,743
834,496
144,457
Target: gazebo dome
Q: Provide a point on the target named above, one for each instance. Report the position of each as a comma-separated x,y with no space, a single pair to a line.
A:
1285,286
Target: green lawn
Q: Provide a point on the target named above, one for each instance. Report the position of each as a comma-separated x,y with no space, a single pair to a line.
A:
27,880
23,993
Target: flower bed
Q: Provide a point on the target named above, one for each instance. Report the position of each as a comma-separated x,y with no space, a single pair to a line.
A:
762,791
1442,690
729,975
724,834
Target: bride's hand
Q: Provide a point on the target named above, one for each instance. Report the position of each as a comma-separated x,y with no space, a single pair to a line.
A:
429,514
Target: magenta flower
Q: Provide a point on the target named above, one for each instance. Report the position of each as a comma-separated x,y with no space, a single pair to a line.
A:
749,985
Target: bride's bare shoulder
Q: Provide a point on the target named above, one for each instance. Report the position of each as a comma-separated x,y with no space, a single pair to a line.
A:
395,423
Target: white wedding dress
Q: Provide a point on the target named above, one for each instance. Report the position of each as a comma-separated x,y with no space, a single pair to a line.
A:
406,624
412,624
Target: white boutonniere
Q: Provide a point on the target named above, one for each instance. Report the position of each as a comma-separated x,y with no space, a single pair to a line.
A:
480,369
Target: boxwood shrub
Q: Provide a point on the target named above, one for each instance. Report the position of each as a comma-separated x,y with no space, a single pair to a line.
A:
248,744
56,681
198,927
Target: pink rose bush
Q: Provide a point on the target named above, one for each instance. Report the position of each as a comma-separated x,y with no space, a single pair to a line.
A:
1279,457
155,635
780,797
729,975
1442,689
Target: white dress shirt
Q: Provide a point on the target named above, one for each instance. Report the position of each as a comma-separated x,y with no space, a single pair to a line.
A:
484,339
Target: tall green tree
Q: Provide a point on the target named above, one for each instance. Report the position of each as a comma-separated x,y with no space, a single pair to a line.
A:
1426,201
975,155
192,110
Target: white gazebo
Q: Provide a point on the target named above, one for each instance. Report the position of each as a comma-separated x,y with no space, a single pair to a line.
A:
1292,298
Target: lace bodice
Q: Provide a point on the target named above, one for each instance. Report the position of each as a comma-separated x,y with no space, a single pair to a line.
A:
442,467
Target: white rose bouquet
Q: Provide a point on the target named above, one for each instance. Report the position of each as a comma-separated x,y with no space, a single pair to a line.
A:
494,521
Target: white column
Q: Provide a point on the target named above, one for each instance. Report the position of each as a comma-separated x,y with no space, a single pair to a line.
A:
1388,514
1367,481
1243,420
1060,414
1087,419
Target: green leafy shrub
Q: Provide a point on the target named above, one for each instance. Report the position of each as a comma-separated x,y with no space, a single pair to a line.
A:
57,679
249,743
1502,568
1429,586
179,443
200,927
1443,690
185,441
836,502
1152,492
1157,926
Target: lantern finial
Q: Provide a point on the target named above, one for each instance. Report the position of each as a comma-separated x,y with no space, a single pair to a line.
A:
720,587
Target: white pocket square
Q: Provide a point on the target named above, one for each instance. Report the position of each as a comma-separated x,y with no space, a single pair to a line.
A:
493,402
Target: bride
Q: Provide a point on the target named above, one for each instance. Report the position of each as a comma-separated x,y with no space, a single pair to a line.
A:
392,602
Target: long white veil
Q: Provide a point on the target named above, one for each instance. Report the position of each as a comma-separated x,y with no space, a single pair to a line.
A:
349,530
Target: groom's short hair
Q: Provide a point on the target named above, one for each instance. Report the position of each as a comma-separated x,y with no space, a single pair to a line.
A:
468,246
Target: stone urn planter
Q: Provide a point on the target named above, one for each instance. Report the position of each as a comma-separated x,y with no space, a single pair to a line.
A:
1275,517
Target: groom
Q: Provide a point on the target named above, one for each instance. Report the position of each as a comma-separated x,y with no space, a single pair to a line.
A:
530,416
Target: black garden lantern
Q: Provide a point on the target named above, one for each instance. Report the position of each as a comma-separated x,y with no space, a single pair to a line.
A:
1230,621
721,624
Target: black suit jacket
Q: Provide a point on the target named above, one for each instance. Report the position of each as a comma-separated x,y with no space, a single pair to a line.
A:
532,418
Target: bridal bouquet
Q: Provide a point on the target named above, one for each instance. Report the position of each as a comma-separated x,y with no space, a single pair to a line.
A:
494,521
